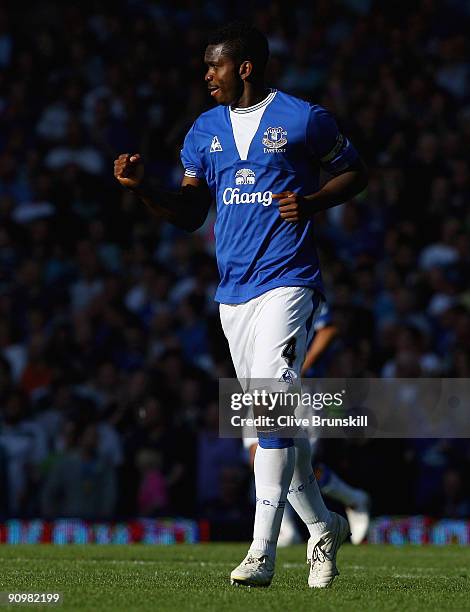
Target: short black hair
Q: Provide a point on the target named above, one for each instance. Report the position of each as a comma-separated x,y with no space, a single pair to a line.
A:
243,42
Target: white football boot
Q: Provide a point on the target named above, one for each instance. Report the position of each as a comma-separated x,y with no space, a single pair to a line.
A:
359,517
321,552
256,570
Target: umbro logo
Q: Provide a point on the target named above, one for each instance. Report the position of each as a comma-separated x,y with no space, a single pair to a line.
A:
215,145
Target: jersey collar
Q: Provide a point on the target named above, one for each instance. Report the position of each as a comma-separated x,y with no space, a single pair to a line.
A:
249,109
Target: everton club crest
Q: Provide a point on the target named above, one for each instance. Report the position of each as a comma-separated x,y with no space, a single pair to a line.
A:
274,140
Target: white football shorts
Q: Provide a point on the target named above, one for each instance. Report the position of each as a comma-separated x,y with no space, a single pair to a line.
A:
268,336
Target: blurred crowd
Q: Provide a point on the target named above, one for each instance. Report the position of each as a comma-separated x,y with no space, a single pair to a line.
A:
110,343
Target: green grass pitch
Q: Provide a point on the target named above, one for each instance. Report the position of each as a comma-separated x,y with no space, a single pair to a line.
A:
195,577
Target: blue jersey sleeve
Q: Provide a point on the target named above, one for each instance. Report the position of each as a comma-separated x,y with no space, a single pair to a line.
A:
324,318
326,143
190,158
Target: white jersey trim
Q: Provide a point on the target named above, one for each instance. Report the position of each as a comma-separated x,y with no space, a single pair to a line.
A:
249,109
245,124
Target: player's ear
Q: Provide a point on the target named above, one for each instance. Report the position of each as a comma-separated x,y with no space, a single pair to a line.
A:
246,68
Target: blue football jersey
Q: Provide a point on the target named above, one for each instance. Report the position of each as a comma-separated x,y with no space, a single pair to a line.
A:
288,141
323,318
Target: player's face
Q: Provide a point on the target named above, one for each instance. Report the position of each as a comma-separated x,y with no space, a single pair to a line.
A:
222,76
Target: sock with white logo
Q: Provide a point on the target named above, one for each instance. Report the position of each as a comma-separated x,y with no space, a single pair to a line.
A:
304,493
339,490
273,473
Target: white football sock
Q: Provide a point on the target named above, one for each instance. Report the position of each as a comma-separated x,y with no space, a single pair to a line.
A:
340,491
304,494
273,473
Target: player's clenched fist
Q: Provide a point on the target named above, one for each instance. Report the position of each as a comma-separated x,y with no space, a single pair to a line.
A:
292,206
129,170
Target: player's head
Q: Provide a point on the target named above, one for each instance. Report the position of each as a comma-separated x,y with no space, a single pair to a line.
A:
236,54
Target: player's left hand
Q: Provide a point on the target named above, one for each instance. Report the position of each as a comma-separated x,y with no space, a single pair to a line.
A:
292,206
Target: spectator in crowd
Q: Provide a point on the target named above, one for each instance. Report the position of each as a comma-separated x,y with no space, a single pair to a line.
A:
24,446
79,483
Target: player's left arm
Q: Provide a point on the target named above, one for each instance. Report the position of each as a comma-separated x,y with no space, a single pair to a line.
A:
294,208
337,156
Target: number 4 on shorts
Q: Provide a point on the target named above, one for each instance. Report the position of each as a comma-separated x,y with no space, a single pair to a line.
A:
288,352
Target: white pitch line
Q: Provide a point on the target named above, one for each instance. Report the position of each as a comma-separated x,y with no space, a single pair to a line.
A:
423,572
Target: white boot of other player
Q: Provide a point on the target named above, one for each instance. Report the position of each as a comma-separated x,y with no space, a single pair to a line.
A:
356,502
359,517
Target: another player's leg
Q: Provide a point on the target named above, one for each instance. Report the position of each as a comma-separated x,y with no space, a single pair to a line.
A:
289,533
356,501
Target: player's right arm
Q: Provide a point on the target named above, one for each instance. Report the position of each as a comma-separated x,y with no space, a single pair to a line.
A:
186,208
